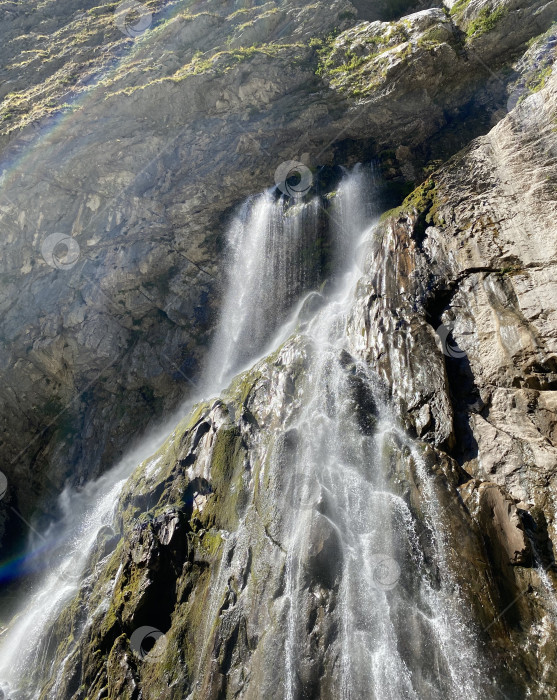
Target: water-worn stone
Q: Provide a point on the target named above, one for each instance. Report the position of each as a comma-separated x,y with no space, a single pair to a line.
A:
469,261
499,520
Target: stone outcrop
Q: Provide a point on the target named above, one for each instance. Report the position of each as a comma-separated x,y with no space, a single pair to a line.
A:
466,265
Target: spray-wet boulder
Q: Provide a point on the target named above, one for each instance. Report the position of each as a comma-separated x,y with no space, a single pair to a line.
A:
324,552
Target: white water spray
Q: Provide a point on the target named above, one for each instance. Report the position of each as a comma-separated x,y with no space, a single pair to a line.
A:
67,547
267,240
388,608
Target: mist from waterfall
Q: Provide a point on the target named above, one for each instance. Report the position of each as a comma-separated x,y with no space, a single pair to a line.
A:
399,633
62,552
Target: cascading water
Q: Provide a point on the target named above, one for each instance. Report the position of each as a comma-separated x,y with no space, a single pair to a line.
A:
390,613
350,536
275,257
63,551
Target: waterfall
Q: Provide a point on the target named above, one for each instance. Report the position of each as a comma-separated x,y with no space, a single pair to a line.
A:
274,258
399,634
390,613
63,553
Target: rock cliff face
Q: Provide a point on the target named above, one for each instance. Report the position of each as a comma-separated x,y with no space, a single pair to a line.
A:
448,347
139,151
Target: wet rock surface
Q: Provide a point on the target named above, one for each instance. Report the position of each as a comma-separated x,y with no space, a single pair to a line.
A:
217,527
463,302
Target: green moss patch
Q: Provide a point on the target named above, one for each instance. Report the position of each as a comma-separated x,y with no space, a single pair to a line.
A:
356,61
218,63
422,199
485,22
459,7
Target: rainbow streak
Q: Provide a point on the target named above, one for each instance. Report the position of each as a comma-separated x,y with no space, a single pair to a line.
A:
11,169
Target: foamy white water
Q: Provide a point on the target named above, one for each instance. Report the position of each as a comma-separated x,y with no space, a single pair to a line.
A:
67,547
272,250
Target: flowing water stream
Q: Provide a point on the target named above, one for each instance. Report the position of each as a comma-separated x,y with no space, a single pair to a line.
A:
399,633
274,258
267,277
